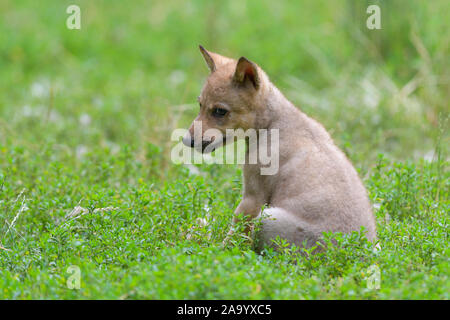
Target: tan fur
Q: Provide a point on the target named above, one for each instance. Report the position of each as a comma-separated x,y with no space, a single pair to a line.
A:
316,188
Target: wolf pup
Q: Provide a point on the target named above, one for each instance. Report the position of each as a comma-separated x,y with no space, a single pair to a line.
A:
315,189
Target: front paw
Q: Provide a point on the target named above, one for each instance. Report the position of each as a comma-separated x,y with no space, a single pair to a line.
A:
227,239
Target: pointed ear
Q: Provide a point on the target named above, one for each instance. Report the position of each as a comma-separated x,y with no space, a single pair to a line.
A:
246,71
209,60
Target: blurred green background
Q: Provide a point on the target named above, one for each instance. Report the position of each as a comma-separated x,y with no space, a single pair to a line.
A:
134,71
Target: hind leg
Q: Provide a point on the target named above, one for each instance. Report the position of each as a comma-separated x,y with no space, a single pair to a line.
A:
279,222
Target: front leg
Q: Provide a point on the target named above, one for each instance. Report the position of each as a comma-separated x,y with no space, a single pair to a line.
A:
249,207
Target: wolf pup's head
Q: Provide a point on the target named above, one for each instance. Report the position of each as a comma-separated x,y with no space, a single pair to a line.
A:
231,98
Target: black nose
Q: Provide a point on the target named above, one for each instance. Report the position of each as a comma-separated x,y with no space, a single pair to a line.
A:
192,143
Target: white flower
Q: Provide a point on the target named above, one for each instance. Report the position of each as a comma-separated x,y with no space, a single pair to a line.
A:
85,119
80,151
177,77
39,89
27,111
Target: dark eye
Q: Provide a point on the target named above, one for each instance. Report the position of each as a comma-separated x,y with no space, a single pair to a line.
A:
219,112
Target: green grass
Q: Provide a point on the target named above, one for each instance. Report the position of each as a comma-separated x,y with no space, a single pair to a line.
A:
86,117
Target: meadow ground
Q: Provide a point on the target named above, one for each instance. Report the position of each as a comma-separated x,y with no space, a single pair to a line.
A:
86,179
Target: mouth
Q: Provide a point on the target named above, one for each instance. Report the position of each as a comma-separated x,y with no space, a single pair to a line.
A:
205,146
211,146
208,146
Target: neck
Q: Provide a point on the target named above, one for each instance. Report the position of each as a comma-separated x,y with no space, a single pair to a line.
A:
278,112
